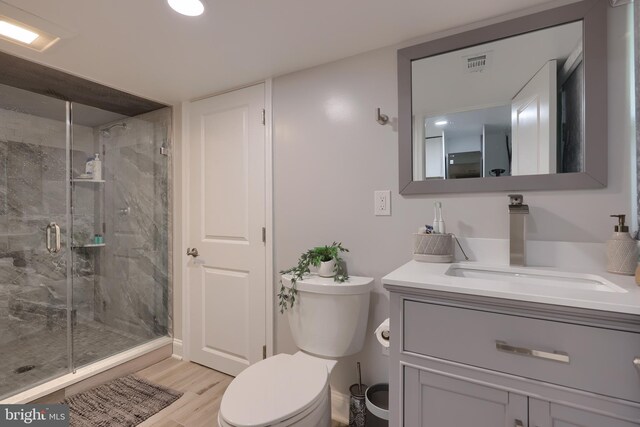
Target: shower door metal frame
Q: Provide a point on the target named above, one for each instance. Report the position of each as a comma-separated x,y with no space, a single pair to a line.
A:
69,220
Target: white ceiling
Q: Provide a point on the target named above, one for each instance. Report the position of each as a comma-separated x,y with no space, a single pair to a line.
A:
441,83
143,47
469,123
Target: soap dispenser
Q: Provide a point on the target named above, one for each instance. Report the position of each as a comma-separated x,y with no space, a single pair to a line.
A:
622,249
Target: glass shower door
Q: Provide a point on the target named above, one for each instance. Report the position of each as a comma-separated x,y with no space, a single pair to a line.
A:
34,252
120,275
84,260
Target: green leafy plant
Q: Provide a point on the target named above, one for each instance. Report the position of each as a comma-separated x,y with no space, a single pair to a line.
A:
313,257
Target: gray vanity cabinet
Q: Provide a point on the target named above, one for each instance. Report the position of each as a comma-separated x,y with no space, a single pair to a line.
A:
546,414
434,400
458,360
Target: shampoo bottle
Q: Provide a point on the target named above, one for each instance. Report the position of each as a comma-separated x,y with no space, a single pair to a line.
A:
88,169
622,250
97,167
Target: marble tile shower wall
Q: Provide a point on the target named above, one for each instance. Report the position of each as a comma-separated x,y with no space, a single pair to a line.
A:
126,284
133,291
32,194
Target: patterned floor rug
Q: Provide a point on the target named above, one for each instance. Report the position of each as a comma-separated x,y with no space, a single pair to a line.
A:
123,402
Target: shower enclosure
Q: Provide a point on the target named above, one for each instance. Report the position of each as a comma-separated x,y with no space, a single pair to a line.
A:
84,266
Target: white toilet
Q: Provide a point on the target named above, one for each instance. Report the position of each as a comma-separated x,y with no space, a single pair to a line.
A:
328,321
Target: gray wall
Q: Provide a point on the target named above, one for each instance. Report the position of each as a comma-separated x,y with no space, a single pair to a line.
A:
330,155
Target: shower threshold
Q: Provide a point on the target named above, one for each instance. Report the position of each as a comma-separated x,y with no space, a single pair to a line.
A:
86,372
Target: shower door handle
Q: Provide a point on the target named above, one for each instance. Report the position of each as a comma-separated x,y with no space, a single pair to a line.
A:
57,242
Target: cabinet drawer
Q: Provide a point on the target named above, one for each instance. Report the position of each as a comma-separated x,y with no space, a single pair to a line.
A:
582,357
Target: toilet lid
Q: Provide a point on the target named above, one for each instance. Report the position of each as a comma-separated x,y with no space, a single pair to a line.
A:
273,390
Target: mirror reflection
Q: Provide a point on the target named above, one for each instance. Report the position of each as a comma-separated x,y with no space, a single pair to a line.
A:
506,108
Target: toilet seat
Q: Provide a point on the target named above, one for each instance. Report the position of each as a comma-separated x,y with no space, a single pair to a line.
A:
275,391
319,414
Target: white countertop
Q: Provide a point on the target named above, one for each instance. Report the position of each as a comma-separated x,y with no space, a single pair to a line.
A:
431,276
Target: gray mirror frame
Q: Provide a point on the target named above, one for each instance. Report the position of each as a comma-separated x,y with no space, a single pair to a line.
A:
593,13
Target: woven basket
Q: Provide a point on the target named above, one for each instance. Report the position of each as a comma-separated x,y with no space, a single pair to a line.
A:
433,244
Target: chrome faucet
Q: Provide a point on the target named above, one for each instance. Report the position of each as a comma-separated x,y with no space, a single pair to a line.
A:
517,229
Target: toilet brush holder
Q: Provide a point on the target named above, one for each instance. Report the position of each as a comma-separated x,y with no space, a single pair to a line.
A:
357,405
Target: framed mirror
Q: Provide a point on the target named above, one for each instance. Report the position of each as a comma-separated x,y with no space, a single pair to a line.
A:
518,105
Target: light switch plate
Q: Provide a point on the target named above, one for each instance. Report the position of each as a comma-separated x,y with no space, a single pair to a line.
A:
382,202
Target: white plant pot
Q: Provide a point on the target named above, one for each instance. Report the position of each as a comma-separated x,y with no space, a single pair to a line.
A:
326,268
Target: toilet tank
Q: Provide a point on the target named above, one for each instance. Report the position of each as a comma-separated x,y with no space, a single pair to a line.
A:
329,319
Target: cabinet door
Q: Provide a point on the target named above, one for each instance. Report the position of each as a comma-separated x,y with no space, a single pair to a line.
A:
545,414
432,399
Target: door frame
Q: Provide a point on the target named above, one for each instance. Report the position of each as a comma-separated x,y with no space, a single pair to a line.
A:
181,347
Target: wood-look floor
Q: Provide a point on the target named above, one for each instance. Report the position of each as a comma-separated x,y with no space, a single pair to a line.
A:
202,387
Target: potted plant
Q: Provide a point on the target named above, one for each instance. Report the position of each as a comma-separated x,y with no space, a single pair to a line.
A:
328,262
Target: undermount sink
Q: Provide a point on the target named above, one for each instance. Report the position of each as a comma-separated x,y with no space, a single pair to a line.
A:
532,277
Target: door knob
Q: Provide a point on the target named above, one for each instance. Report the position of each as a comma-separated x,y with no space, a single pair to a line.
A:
193,252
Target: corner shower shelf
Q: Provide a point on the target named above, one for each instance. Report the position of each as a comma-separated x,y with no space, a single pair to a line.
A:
89,245
87,180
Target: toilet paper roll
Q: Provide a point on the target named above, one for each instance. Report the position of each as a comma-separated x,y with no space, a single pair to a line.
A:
382,333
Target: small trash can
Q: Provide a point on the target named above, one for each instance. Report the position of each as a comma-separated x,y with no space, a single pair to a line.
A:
377,401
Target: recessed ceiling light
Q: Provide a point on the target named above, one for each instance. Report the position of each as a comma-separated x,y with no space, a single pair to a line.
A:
23,34
25,29
187,7
17,33
441,123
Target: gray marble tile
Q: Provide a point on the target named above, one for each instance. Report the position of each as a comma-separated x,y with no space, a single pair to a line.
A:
54,163
135,261
24,196
3,177
54,197
45,351
24,160
4,233
24,179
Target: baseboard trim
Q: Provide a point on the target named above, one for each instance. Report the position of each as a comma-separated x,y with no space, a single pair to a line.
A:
177,348
340,407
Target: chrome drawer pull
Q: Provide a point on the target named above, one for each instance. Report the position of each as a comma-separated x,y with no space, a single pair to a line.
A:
519,423
556,356
636,362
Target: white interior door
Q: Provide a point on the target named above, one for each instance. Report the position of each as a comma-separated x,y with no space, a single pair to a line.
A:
434,157
226,216
419,166
534,124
